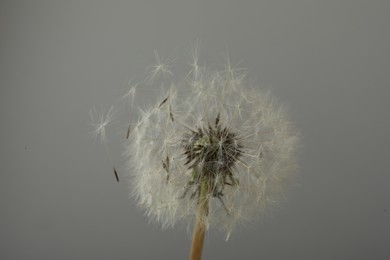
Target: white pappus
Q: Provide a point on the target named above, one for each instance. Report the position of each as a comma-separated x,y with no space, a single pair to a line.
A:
214,129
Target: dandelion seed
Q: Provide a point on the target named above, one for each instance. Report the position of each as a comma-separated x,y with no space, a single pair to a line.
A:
128,131
233,74
196,70
161,67
163,102
166,164
116,174
130,94
171,114
99,122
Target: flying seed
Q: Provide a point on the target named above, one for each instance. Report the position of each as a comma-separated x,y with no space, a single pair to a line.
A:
164,101
116,174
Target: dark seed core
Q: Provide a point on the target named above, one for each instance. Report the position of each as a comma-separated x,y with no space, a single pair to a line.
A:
213,151
211,155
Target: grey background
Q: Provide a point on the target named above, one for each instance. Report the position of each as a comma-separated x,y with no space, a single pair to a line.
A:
328,59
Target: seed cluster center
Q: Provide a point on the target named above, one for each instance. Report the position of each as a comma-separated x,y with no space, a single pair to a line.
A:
213,151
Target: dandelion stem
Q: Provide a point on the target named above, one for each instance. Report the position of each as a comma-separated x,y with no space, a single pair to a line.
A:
200,225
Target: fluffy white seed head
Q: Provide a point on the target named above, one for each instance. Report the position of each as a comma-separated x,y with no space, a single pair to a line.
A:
211,126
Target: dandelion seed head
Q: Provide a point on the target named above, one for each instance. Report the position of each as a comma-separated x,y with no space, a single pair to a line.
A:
214,128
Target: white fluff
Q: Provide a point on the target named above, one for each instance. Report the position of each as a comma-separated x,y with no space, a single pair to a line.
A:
266,136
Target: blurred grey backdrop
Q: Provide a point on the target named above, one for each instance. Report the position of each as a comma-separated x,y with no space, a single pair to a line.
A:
329,60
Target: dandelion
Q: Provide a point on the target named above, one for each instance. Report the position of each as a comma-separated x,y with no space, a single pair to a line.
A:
212,149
